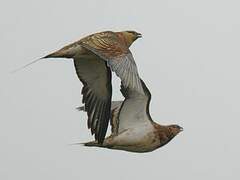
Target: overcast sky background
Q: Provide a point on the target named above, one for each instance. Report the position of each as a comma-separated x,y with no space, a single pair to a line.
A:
189,58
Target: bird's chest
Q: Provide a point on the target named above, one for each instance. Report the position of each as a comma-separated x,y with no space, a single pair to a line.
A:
141,139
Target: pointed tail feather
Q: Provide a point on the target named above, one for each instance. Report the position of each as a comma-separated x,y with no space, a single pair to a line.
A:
52,55
72,144
91,143
23,67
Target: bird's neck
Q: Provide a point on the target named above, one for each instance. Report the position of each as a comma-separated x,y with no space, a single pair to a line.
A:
127,41
163,133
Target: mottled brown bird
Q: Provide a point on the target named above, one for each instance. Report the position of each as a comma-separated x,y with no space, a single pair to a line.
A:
94,57
132,126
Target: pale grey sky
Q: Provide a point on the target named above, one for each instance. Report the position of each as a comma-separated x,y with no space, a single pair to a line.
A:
188,56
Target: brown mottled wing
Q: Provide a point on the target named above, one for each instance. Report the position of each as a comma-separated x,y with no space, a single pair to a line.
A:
105,44
112,49
97,92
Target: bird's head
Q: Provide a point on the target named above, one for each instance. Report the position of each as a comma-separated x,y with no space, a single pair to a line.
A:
175,129
130,36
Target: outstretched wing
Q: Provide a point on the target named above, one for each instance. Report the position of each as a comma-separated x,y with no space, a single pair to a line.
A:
115,108
135,108
97,92
113,49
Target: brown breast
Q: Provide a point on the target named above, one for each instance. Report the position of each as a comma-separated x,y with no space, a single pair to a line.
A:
162,133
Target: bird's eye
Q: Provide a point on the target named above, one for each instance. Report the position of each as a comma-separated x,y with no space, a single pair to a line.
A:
132,32
176,126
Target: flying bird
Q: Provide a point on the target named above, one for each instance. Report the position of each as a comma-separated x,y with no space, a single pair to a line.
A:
132,126
95,56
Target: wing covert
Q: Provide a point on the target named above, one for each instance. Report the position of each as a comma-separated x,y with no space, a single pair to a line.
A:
111,48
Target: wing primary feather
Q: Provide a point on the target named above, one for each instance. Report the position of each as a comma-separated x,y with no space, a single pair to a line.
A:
85,96
96,134
92,107
129,73
88,100
93,128
90,119
100,120
102,127
91,104
84,88
95,116
125,68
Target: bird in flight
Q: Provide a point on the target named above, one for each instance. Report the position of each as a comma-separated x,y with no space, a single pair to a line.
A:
95,56
132,126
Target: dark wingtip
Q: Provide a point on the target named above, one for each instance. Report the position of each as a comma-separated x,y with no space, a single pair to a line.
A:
72,144
100,139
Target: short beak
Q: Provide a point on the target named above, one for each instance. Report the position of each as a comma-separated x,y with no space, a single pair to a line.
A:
139,35
181,129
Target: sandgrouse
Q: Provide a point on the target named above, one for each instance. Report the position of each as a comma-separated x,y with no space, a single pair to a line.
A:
94,57
132,126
